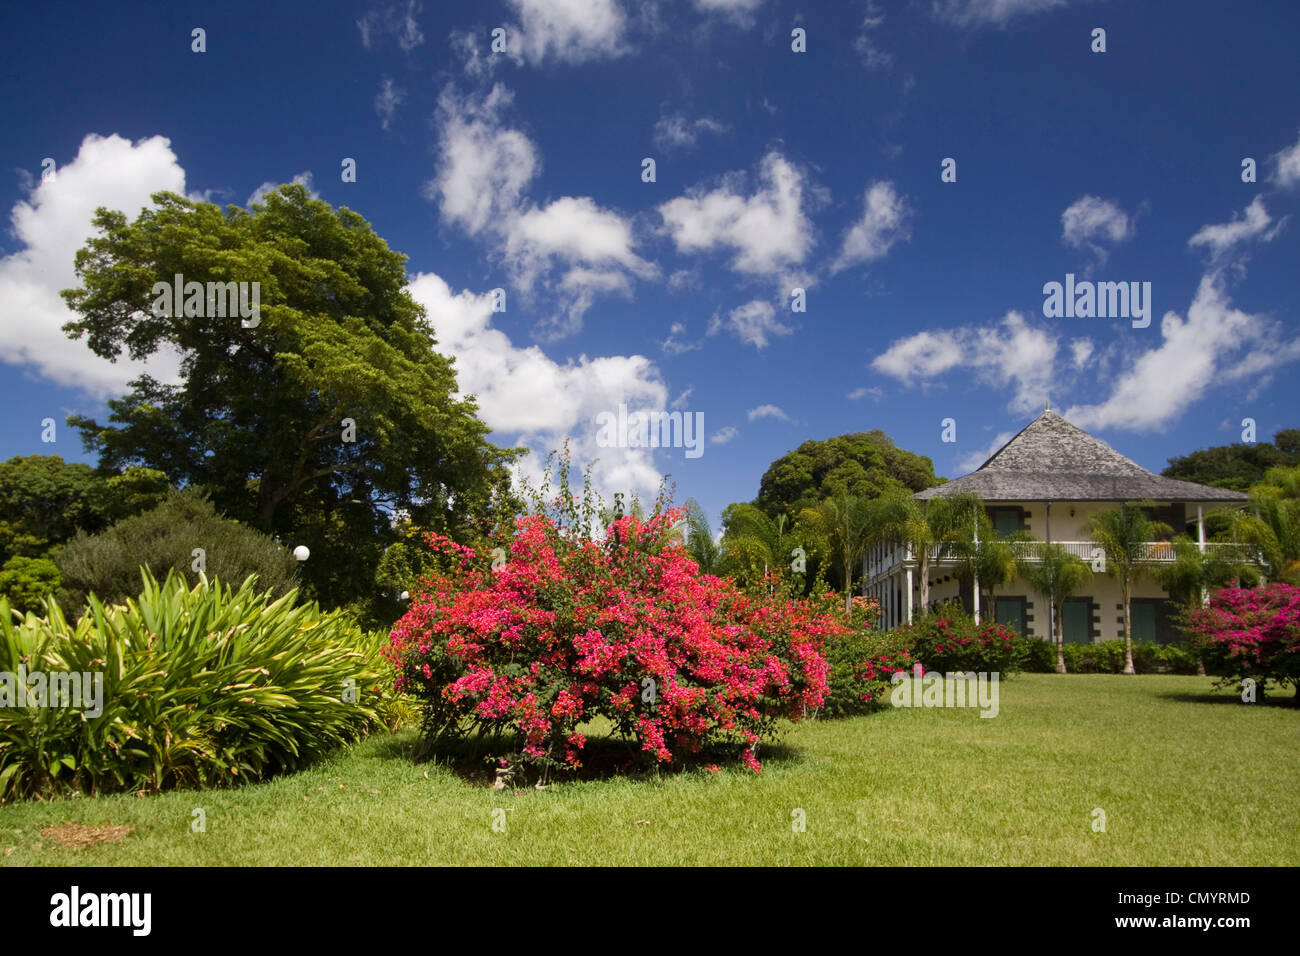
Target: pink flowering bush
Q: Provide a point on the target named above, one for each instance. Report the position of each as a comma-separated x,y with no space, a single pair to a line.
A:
862,658
566,629
1250,632
949,640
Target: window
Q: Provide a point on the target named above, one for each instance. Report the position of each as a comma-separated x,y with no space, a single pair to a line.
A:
1076,620
1013,612
1006,520
1153,621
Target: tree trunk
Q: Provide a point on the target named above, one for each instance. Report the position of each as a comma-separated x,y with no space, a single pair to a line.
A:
1128,633
925,580
1060,639
848,587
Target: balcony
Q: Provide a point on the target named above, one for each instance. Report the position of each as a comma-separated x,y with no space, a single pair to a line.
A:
1158,552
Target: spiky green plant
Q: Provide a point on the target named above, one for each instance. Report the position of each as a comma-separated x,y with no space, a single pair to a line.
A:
201,686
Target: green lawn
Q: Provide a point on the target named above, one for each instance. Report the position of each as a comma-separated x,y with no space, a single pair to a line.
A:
1186,776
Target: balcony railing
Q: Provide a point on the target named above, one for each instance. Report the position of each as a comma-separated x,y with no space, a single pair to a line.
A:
1157,551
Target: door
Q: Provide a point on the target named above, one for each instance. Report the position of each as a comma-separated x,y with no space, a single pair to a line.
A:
1144,620
1013,612
1076,615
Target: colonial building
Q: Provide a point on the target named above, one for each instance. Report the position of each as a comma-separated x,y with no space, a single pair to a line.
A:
1048,480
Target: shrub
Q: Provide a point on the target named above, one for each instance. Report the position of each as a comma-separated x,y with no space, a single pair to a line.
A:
108,564
26,582
201,686
1107,657
1039,656
1250,632
948,639
861,660
567,629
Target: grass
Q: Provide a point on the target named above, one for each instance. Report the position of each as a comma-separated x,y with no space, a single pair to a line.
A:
1187,776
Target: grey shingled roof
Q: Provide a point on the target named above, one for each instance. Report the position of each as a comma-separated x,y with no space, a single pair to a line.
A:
1052,460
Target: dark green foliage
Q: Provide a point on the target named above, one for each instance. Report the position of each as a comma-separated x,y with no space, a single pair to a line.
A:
1039,656
108,564
45,500
865,464
1236,466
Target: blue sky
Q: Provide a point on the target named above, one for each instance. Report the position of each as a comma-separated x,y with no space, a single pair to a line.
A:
774,170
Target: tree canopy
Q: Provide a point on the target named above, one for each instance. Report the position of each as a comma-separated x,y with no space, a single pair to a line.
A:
862,464
1238,466
318,420
44,501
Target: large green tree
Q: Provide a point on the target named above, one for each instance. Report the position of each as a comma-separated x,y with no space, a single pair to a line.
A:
315,422
863,465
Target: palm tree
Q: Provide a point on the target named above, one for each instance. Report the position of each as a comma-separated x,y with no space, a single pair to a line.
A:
926,526
1125,534
987,558
1053,571
843,522
1191,575
698,538
1273,523
753,542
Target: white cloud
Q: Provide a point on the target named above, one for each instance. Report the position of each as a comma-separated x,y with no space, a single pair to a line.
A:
484,171
872,55
674,346
674,131
740,11
396,21
768,231
484,166
884,222
754,323
568,31
1080,351
387,100
531,399
302,179
573,230
1254,224
680,400
1214,344
52,223
1011,353
1286,166
724,434
874,392
768,411
967,463
1090,222
973,13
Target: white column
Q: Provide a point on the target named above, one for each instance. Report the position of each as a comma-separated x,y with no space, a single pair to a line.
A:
977,575
1200,541
909,595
